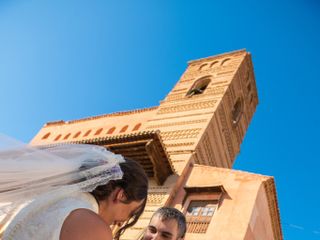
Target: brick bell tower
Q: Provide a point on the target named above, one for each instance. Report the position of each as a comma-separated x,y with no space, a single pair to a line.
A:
187,146
208,111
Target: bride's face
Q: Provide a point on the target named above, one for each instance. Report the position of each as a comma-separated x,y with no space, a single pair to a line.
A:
126,211
116,210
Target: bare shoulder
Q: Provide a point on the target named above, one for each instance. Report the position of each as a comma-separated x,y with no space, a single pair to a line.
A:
84,224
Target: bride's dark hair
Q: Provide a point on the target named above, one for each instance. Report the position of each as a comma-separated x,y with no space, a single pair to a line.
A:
135,186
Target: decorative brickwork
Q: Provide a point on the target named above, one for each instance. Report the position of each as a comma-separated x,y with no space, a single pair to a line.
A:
187,107
208,150
226,131
186,115
156,198
200,157
176,123
219,90
180,134
183,144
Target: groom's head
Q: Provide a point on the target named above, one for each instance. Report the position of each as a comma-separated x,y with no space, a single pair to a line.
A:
166,223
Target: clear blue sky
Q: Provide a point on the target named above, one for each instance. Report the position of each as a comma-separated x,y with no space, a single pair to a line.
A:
71,59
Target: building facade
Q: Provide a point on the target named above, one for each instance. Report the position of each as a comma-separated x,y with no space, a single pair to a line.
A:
187,146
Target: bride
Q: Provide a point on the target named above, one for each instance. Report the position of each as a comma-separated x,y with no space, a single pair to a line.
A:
68,191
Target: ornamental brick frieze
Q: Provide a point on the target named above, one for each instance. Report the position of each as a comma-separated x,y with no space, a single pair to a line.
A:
218,90
199,156
246,88
165,118
169,124
183,97
226,132
157,198
245,73
228,99
238,132
187,107
217,138
207,145
180,134
183,144
211,90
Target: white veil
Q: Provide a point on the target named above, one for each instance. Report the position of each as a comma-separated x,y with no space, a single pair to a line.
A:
27,172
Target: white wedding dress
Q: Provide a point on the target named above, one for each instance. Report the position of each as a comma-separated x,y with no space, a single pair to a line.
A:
39,187
43,218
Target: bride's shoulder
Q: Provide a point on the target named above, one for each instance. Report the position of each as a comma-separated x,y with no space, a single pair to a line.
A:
85,224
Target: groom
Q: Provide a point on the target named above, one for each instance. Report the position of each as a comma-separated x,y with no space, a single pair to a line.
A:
166,224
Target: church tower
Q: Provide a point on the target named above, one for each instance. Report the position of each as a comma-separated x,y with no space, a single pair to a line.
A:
207,113
187,146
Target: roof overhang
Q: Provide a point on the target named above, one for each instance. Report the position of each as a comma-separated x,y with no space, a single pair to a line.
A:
144,147
205,189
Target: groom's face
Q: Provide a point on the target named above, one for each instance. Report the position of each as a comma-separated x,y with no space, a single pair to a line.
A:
159,229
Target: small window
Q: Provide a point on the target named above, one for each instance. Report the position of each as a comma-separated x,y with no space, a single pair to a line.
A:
214,64
67,136
225,62
87,133
200,205
136,127
199,87
203,66
199,214
201,208
98,131
46,136
111,130
58,137
124,129
236,112
77,135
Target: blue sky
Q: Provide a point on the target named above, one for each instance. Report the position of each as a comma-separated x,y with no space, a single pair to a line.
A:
73,59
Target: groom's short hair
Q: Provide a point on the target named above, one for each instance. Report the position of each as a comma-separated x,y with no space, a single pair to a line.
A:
167,213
